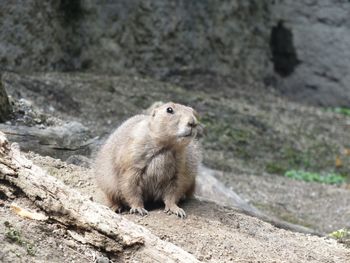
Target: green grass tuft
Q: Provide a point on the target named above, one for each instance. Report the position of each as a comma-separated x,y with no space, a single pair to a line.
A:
341,110
342,235
331,178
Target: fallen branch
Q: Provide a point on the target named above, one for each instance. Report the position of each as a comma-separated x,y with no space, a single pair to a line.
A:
208,186
56,141
93,223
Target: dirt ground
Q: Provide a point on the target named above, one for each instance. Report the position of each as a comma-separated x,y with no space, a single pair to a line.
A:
211,232
252,135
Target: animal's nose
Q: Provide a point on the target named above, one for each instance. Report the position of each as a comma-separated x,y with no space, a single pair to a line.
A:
192,123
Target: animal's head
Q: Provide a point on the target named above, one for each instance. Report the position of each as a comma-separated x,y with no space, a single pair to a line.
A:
173,123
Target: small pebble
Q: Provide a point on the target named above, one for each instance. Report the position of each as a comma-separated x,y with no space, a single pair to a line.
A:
102,260
71,243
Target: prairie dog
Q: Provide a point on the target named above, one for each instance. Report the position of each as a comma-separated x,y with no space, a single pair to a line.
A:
151,157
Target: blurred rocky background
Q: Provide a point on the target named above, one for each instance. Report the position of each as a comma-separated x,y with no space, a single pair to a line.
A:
299,48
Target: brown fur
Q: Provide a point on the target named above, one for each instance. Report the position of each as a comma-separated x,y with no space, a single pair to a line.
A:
149,158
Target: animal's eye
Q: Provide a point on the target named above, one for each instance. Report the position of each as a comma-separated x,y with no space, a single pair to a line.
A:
170,110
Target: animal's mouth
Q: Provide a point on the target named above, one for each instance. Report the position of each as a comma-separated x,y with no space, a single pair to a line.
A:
189,133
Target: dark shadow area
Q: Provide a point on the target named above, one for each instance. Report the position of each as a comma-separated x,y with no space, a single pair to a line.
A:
284,56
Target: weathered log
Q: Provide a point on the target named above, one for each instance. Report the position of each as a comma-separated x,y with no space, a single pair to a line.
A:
94,223
208,187
71,138
5,106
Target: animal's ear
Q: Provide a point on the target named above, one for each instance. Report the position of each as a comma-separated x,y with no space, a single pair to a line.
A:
154,111
151,108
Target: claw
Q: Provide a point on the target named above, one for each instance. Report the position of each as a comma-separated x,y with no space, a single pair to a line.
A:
138,210
181,213
175,210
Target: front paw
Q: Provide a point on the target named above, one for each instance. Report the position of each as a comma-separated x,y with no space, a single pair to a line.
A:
138,210
175,210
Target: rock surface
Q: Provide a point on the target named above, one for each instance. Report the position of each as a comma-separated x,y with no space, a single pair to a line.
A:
320,36
153,37
301,48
